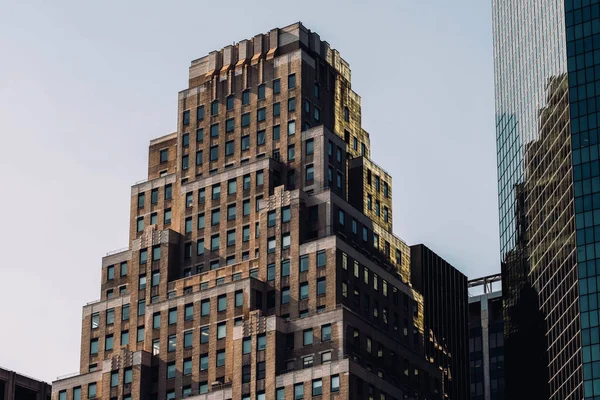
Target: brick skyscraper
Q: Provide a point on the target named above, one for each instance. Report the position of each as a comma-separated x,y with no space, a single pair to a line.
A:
261,261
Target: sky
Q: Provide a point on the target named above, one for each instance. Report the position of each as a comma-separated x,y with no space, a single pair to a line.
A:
85,85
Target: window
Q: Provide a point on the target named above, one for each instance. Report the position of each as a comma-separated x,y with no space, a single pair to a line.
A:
276,132
94,346
335,383
291,152
92,391
261,370
291,81
261,91
326,357
321,286
291,127
203,387
310,147
214,242
185,162
304,290
204,334
230,102
214,153
110,316
141,307
307,337
95,320
200,247
346,114
172,316
188,225
341,217
276,109
221,330
153,219
317,114
246,97
125,312
167,216
171,370
285,268
220,358
261,114
189,312
326,333
140,334
141,200
261,342
171,343
156,253
310,173
299,391
199,135
246,376
307,106
215,217
276,86
62,395
245,142
321,258
303,263
222,303
246,233
203,362
271,245
245,120
239,298
261,137
114,379
201,221
317,387
230,125
140,224
205,308
214,107
285,295
292,104
365,234
156,320
200,113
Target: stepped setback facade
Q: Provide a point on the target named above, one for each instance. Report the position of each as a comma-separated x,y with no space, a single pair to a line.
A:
261,262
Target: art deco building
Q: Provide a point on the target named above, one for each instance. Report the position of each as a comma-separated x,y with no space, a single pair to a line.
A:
547,66
261,262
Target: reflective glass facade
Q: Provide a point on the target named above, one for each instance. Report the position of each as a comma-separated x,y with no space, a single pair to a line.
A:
582,20
543,355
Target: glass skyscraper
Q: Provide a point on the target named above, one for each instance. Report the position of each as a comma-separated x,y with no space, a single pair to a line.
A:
547,60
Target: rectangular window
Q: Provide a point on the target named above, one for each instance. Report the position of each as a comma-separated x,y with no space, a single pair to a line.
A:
91,391
200,247
203,362
171,343
262,91
140,224
156,320
310,174
187,367
239,298
141,307
230,102
304,290
303,263
261,137
261,114
185,162
199,135
94,346
188,225
189,312
141,200
245,120
167,216
335,383
285,295
291,81
186,117
276,86
285,268
291,152
214,243
172,316
222,303
286,214
261,342
140,333
299,391
215,217
214,130
171,370
246,207
271,272
321,286
200,113
205,308
292,104
110,316
317,387
221,330
276,132
125,312
214,153
204,334
326,333
246,97
291,127
201,221
229,125
246,233
317,114
95,320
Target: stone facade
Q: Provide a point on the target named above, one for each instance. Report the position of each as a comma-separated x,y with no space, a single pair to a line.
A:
249,275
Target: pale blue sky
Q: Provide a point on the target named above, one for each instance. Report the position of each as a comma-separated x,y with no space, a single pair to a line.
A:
85,85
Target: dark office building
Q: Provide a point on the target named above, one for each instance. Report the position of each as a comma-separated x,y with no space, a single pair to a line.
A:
14,386
547,78
486,339
445,296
